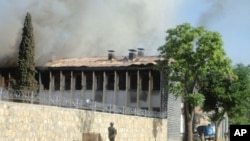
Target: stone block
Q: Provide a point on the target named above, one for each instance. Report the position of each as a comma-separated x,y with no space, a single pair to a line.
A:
91,137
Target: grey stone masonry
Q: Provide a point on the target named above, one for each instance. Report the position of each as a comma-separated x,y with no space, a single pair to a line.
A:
26,122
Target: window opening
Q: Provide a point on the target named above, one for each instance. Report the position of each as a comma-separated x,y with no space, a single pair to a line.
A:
122,80
111,81
78,82
156,80
89,80
133,81
57,81
67,81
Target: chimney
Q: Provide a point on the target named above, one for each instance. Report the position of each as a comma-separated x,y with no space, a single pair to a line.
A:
132,54
140,51
111,55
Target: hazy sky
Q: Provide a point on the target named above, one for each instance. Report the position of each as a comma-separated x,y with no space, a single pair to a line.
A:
230,18
80,28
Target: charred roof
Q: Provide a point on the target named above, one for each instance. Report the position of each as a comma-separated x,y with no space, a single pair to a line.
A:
102,62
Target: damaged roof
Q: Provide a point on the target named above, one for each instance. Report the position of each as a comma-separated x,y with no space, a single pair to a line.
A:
103,62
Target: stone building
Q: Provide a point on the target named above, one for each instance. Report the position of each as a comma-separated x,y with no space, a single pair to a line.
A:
130,81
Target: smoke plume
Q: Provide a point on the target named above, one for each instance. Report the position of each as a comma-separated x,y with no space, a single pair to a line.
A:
214,12
80,28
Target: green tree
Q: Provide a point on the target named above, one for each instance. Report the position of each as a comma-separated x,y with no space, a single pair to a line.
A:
189,54
240,113
25,74
228,95
218,98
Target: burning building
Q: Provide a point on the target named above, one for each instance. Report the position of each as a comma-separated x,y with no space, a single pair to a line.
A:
124,81
129,81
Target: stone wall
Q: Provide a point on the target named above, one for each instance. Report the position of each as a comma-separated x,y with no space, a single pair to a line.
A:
25,122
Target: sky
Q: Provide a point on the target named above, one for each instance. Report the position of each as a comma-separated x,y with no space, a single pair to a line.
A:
82,28
228,17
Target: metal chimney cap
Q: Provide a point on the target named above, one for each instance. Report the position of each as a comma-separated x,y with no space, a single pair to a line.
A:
132,50
111,51
141,49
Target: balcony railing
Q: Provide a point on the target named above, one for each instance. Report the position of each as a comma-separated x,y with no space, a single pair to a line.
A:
59,101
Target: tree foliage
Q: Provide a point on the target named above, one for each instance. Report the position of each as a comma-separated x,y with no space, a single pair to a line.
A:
228,95
195,100
218,100
189,54
25,74
240,89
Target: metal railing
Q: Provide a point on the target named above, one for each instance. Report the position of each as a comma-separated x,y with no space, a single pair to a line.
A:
56,100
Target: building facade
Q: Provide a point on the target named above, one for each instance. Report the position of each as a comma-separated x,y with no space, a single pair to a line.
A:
130,81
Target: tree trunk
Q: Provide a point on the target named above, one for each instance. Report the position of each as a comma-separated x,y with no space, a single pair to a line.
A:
188,125
189,131
202,136
217,131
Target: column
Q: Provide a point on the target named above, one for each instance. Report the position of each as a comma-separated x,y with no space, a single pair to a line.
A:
9,87
127,88
62,83
9,78
93,86
71,87
138,89
51,86
83,86
115,88
104,87
150,88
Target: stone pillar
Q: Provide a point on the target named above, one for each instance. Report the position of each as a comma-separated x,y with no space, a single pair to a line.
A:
127,88
116,83
9,87
72,86
62,83
150,88
9,77
138,89
93,86
104,87
51,85
83,86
